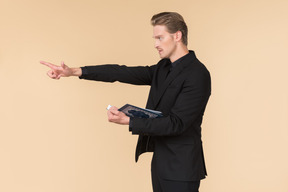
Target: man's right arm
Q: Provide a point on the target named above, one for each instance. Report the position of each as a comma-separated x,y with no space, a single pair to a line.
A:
139,75
108,73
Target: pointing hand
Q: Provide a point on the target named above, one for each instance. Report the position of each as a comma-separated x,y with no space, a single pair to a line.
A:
57,72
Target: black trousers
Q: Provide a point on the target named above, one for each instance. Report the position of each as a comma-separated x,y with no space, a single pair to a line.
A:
162,185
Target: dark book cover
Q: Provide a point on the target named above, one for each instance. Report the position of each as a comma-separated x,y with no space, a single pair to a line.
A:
133,111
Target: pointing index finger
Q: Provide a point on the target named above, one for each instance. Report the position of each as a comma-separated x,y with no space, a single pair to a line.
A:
52,66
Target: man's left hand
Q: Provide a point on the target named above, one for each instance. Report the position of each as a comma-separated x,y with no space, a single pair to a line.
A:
118,117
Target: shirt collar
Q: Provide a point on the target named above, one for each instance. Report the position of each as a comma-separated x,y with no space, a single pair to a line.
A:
178,61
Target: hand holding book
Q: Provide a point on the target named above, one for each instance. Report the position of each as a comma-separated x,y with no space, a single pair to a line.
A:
133,111
116,116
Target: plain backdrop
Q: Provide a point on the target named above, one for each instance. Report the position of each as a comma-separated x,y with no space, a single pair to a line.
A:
54,135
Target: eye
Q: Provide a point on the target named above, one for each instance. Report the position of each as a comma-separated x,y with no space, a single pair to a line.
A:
160,38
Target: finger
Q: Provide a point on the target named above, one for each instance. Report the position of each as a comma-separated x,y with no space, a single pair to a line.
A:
114,111
63,65
51,74
52,66
110,115
113,108
59,76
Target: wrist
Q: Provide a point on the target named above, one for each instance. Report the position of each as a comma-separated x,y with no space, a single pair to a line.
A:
76,72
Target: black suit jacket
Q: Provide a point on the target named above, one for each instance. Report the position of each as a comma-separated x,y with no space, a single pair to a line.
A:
181,96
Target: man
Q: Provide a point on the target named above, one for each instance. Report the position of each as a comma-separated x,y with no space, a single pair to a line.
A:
180,89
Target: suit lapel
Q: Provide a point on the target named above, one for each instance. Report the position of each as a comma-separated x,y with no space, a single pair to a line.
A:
163,74
164,82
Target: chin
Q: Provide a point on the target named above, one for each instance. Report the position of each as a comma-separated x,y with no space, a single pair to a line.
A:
163,56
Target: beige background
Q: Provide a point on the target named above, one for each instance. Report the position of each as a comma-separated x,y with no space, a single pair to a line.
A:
54,135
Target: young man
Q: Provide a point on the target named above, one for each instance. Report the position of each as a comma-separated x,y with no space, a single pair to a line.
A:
180,89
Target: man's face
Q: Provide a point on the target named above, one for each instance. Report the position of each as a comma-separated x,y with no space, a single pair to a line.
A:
164,41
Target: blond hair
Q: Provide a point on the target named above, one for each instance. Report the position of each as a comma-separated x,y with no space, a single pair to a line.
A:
173,21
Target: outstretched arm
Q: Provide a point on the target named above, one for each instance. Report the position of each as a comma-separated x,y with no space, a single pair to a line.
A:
63,70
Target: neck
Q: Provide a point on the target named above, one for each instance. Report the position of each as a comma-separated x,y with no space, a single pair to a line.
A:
178,53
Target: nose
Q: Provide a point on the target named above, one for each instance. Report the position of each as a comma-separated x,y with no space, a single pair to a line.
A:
156,44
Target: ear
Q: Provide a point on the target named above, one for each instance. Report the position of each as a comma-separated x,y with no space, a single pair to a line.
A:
178,36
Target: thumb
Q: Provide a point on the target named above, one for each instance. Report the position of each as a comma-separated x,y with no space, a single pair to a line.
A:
114,110
63,65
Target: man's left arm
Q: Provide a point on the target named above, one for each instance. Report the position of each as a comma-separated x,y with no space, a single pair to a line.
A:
189,106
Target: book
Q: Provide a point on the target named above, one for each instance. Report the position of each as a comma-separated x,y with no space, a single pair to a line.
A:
133,111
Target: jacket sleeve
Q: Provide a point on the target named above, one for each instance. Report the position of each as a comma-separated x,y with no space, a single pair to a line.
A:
187,111
110,73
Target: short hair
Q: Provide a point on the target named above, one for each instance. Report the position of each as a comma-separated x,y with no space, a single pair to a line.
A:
173,21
